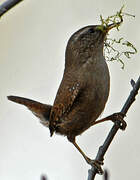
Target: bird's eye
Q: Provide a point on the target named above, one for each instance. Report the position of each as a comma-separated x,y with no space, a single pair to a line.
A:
91,30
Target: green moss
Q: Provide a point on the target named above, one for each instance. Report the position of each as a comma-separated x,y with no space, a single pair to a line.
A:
113,47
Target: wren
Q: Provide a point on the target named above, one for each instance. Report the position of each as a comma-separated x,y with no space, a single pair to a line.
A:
83,91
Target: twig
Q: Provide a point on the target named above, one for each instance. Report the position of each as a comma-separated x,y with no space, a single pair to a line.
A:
106,176
102,149
43,177
7,5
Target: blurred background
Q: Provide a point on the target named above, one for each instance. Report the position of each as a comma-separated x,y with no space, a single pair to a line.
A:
33,37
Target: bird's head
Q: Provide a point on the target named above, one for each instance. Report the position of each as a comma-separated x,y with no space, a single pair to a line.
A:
86,43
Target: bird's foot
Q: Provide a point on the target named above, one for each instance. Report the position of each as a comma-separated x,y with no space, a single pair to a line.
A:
119,117
96,164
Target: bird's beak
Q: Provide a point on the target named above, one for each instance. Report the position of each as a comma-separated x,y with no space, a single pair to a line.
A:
113,25
106,28
110,26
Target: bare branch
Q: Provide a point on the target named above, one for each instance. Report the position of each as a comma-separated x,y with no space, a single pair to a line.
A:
106,176
102,149
43,177
7,5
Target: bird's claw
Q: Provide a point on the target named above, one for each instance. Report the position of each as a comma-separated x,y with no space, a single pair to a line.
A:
119,117
97,165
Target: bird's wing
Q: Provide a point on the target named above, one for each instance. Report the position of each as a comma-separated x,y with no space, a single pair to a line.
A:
42,111
63,103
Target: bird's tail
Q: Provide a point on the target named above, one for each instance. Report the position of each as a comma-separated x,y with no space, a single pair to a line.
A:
42,111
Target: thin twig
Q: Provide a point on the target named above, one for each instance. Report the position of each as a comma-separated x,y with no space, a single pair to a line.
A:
102,149
43,177
106,176
7,5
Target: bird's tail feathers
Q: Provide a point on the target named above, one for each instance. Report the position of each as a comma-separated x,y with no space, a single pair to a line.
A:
42,111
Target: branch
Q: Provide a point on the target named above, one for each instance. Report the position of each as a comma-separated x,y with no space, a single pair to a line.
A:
43,177
7,5
102,149
106,176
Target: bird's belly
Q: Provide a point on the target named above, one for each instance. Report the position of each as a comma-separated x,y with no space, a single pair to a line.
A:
82,117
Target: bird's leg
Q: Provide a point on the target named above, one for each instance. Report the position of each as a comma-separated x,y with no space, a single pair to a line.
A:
114,117
95,163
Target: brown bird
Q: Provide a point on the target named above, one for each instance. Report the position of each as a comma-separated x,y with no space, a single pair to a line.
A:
84,89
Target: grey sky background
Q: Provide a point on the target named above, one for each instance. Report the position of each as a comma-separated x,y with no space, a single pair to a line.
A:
33,37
